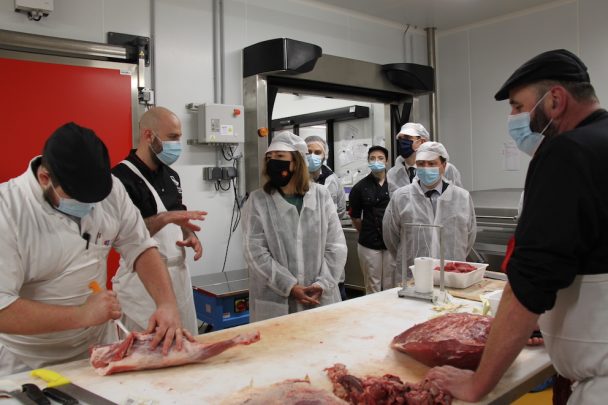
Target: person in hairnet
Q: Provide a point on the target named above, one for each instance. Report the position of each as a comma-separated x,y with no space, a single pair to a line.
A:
409,139
58,221
430,199
293,241
557,269
322,174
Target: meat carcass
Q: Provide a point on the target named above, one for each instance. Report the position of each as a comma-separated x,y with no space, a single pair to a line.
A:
385,390
134,353
288,392
453,339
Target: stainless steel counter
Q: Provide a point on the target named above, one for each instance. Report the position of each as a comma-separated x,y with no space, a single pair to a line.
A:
496,212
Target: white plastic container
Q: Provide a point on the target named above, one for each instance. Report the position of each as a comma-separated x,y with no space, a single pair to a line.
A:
459,280
494,299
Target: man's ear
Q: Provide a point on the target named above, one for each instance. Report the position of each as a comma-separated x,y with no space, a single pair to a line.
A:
43,176
559,101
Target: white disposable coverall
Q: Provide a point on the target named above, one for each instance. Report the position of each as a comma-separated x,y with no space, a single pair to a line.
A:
44,258
455,213
137,304
397,176
332,182
283,249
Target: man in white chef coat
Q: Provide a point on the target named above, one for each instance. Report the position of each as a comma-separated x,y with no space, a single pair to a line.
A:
58,221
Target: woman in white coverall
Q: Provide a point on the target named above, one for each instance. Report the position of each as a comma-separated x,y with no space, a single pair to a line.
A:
293,241
430,199
409,139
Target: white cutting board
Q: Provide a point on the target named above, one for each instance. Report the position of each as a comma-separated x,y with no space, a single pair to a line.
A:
355,332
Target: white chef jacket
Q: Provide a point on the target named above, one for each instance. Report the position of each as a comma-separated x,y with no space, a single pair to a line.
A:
44,258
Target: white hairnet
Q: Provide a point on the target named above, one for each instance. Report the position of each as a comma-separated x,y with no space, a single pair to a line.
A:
431,151
288,142
414,129
320,141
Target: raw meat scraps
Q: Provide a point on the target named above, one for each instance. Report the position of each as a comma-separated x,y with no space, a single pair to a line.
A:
385,390
453,339
457,267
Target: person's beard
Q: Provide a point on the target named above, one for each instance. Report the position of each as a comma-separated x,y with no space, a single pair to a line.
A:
47,193
540,121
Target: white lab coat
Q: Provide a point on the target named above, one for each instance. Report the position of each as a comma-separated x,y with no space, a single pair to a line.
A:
137,304
332,183
398,177
455,213
44,258
283,249
576,336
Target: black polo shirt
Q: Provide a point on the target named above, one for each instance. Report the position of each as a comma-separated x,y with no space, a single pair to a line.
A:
164,180
368,199
563,228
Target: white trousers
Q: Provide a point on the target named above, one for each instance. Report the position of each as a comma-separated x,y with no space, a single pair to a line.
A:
379,269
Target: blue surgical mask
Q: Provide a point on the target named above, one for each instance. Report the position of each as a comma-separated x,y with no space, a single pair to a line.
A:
376,166
526,140
314,162
170,153
428,175
73,207
405,147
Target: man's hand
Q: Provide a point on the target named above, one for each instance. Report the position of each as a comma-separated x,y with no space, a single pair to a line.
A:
304,295
184,218
165,321
100,308
193,242
459,383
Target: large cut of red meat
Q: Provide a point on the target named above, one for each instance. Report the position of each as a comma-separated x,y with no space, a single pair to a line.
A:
385,390
288,392
134,353
454,339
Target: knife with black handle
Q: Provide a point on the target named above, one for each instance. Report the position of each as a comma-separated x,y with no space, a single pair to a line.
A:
33,392
60,396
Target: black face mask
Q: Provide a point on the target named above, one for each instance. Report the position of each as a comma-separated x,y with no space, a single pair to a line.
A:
278,171
405,147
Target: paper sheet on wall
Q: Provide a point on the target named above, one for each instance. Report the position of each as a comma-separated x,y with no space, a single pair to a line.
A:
510,157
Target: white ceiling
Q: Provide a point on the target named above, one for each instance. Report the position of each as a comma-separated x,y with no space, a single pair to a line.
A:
442,14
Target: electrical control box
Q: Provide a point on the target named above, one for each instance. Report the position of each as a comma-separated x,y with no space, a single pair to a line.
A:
221,123
44,6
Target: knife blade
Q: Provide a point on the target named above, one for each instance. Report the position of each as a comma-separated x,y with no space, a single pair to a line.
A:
63,384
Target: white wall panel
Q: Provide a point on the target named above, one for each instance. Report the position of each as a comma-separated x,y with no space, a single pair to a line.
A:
593,43
453,71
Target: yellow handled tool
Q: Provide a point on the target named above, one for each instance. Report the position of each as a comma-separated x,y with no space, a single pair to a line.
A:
51,377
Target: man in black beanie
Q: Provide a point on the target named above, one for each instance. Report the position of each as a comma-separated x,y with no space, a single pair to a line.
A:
58,221
557,271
